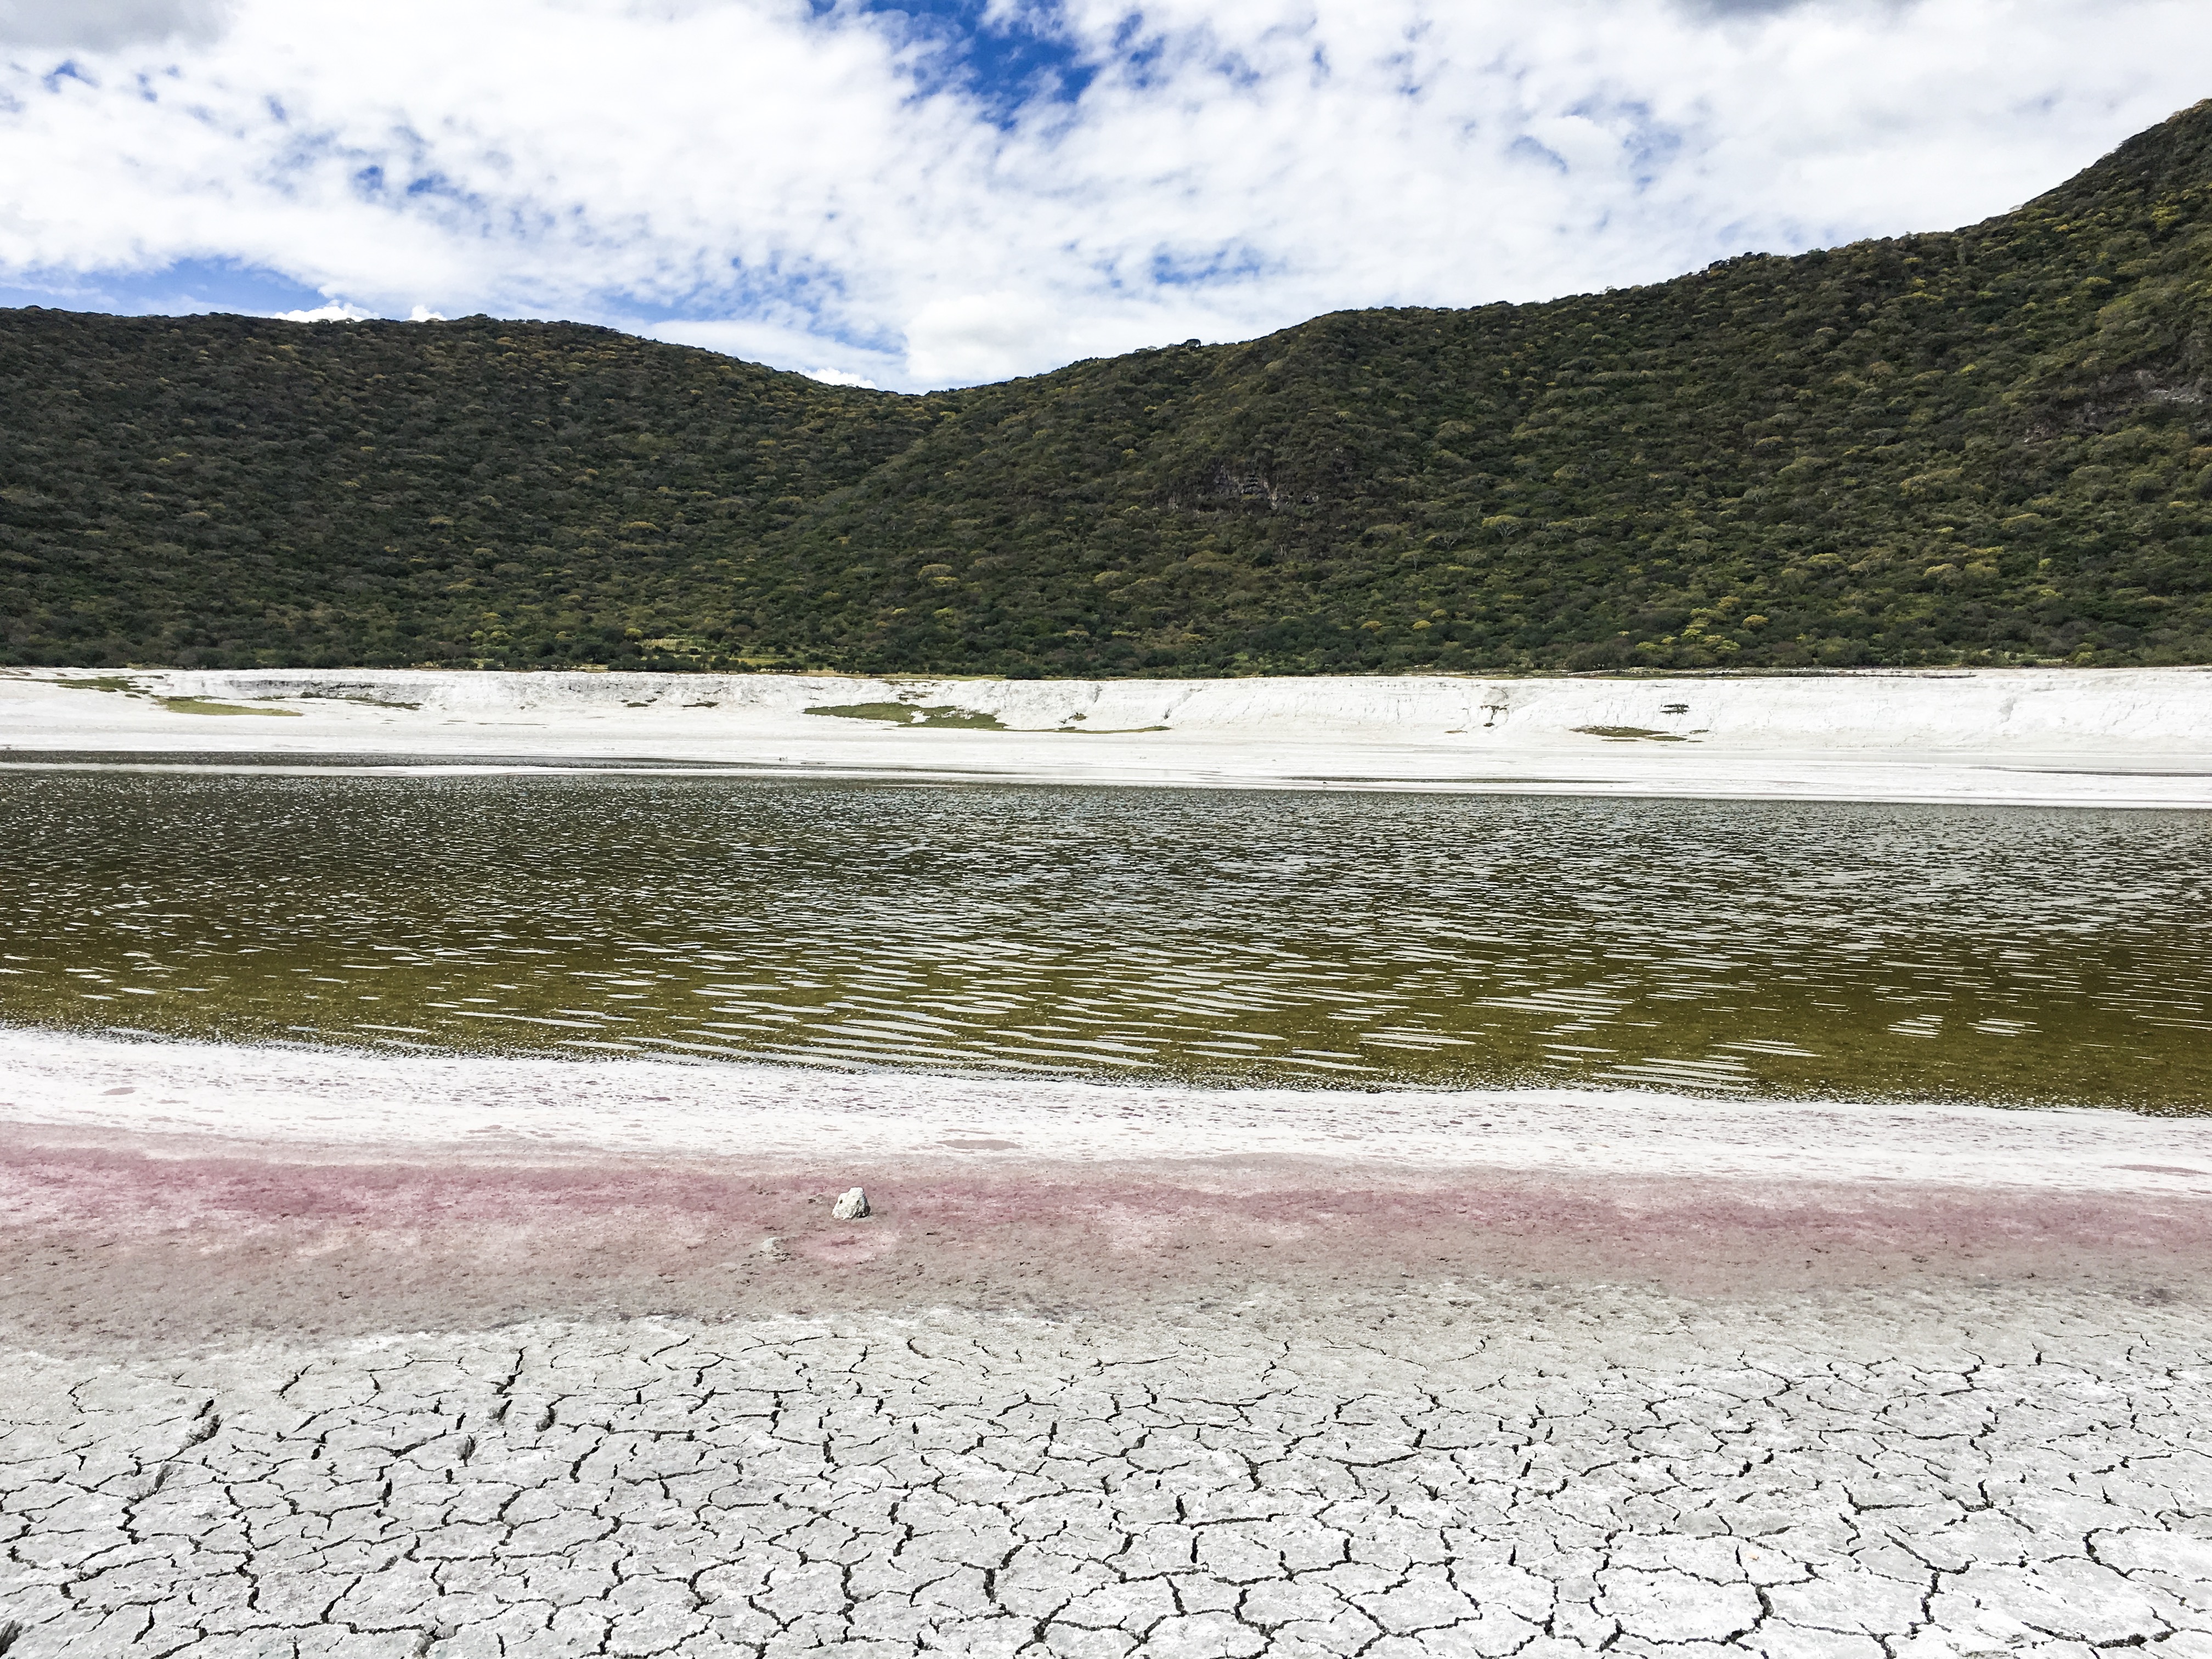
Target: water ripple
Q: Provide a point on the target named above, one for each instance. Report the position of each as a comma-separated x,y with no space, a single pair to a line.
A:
1945,952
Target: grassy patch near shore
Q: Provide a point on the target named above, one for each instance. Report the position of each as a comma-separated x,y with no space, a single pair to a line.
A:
1631,733
122,682
368,697
944,715
202,706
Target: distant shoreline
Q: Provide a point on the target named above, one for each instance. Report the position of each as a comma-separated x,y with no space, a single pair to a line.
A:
2087,737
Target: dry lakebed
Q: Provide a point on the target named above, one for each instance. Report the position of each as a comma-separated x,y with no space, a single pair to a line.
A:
1507,1266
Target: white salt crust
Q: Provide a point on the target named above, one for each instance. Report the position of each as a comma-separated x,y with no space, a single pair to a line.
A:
1537,1473
363,1100
1950,1467
2049,737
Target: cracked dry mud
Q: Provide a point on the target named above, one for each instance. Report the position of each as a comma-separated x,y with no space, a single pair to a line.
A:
1106,1373
1534,1470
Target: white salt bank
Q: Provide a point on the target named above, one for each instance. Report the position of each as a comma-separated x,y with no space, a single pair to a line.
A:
2051,737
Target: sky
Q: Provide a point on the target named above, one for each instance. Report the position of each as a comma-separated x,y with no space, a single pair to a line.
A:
939,192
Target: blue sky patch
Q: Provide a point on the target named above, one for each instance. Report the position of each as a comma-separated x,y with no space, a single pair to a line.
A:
1005,64
186,286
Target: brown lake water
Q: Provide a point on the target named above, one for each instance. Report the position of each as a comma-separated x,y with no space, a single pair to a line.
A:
1220,936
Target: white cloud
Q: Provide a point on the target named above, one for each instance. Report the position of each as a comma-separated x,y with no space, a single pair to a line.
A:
103,25
329,314
787,182
985,336
785,345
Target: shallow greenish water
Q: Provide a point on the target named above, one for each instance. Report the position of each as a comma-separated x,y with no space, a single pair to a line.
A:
1223,937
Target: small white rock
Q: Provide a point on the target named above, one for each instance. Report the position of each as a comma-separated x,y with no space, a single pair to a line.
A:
853,1206
771,1249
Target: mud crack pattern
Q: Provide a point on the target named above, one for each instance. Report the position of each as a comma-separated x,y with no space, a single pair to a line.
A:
1451,1479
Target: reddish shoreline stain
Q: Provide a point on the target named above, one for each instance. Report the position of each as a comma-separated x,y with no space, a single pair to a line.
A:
115,1233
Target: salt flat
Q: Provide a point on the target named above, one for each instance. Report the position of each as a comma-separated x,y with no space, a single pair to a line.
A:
313,1352
2109,737
1544,1473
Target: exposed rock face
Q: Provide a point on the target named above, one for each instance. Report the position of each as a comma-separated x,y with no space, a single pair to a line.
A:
852,1205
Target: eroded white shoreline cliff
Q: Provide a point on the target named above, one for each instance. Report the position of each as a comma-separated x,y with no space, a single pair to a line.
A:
2119,737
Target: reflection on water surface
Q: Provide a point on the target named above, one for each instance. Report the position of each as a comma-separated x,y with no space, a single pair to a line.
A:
1939,952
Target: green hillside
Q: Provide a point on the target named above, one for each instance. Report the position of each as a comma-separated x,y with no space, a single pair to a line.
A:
1991,445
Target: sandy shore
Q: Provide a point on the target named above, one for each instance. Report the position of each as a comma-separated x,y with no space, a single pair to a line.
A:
313,1352
2117,737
